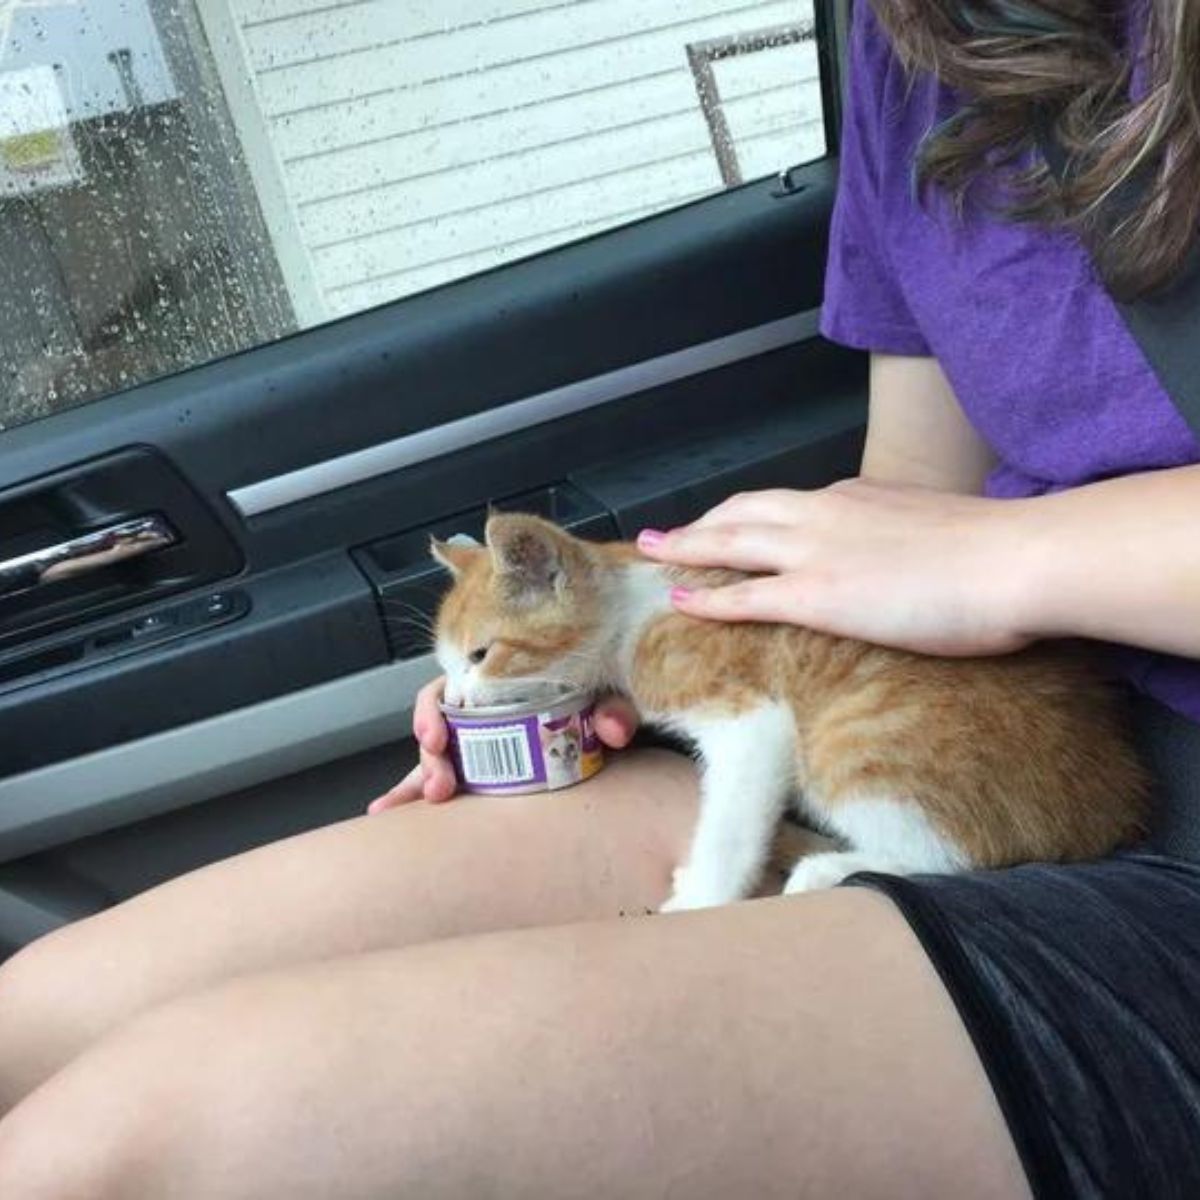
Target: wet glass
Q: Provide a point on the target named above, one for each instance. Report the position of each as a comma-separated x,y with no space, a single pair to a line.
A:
182,179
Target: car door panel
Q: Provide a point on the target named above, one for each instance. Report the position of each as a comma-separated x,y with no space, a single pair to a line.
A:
307,614
633,379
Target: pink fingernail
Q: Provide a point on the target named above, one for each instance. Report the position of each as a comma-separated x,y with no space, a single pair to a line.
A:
680,594
651,537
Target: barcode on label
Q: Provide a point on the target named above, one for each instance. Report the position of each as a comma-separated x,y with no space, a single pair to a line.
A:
495,755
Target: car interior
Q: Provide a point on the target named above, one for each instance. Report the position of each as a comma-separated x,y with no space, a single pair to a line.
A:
215,509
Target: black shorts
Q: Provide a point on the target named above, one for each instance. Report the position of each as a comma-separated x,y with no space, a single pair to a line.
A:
1080,987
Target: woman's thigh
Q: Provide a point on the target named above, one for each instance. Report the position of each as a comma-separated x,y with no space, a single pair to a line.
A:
409,875
780,1048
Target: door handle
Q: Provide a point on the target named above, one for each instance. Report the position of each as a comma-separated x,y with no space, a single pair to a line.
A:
85,553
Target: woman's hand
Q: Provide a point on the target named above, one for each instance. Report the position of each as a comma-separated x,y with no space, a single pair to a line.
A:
924,570
433,778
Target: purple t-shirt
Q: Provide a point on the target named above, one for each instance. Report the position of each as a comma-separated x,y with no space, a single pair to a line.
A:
1037,353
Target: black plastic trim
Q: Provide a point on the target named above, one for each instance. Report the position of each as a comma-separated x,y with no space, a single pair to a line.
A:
308,623
828,43
89,496
152,628
807,447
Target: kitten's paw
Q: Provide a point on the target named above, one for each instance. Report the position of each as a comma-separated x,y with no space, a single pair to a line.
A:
818,871
689,891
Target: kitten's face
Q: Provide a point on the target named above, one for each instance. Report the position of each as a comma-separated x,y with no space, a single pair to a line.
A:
525,611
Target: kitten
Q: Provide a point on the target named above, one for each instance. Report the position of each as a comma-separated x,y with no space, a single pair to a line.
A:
912,763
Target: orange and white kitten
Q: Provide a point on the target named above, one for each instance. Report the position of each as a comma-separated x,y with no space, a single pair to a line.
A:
915,764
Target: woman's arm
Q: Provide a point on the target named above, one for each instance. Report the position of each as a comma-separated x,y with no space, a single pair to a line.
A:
1118,560
917,433
897,558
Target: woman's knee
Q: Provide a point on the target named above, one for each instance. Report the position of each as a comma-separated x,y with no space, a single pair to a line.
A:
74,1138
43,1158
134,1116
55,997
35,988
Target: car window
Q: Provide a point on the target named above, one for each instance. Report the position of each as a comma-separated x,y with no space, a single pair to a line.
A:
182,179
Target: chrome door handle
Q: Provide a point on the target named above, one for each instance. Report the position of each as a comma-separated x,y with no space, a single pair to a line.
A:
85,553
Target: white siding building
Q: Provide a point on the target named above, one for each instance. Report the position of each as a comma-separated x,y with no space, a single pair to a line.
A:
397,144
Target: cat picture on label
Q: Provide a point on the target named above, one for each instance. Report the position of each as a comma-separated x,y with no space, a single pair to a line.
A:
562,753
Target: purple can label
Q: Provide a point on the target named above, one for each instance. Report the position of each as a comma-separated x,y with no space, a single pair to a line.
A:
540,752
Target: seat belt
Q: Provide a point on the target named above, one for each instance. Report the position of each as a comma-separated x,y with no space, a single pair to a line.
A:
1166,325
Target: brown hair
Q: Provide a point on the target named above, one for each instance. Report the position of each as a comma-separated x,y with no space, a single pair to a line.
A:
1019,61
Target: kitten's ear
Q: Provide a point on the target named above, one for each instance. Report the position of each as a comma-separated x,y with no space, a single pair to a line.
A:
457,553
529,554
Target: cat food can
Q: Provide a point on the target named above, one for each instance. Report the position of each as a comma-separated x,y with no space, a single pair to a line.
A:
538,746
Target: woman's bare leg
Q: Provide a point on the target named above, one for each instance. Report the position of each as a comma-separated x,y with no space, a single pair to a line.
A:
798,1047
413,874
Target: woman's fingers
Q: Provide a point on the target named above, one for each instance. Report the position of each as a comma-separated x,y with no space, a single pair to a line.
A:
410,788
776,506
440,781
432,779
744,532
740,547
429,726
616,721
773,599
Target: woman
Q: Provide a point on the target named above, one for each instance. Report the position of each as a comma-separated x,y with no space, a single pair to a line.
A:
310,1021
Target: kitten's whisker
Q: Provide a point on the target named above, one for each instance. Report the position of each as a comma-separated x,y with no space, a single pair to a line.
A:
409,616
412,610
